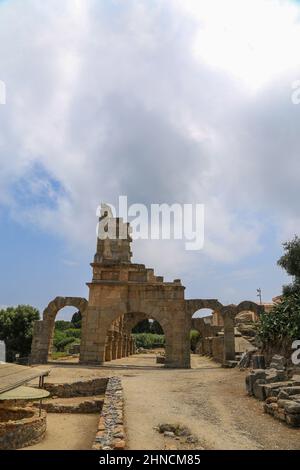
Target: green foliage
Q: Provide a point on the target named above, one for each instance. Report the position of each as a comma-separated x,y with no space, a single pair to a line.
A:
156,328
74,332
64,338
63,325
142,327
282,324
147,326
149,340
290,261
60,345
16,325
194,337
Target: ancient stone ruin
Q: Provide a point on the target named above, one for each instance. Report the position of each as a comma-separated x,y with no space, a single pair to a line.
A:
121,294
278,386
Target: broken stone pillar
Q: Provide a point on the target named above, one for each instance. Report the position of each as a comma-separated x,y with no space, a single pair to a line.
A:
229,339
41,342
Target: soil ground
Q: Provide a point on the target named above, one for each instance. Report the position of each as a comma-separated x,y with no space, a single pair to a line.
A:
68,432
209,400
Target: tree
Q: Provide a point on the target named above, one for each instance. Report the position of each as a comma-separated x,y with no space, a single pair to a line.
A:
155,328
281,325
142,327
16,326
290,261
76,319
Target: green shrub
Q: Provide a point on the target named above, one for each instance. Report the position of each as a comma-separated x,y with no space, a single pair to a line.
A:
61,345
63,325
74,332
194,338
149,340
282,324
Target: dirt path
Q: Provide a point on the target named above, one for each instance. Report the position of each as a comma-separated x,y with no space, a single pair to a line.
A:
208,399
211,401
68,432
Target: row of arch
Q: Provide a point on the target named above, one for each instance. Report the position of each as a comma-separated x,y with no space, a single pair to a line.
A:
119,342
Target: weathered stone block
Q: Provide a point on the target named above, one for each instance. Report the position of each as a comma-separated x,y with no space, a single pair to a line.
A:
259,389
252,377
292,407
293,419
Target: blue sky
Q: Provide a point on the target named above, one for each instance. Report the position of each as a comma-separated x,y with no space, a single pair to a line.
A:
162,101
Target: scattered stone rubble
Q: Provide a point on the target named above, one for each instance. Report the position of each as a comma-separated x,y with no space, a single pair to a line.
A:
111,433
182,436
279,388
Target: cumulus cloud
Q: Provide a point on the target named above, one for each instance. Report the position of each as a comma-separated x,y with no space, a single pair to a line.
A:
164,101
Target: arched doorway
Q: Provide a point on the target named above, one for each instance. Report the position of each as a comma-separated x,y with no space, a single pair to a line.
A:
229,314
67,335
133,331
202,327
44,330
149,336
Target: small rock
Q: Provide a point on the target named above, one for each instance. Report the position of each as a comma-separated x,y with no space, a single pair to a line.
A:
169,434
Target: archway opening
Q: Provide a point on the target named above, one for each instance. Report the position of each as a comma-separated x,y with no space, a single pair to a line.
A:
202,326
149,336
134,333
66,335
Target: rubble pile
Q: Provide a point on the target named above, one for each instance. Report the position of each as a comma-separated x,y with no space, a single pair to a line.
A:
279,388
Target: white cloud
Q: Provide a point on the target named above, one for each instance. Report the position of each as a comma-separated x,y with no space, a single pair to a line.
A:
162,101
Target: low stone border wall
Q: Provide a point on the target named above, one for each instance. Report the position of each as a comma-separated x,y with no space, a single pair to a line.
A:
21,427
85,406
111,433
84,388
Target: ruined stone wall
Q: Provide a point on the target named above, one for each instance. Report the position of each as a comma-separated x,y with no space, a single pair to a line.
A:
111,433
21,427
83,388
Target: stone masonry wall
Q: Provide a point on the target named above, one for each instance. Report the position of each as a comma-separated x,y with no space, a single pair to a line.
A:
21,427
83,388
111,433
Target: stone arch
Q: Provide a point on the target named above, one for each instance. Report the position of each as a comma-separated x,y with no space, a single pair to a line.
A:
229,312
58,303
248,305
193,305
119,343
43,330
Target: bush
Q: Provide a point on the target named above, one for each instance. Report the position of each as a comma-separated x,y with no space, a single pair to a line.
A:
74,332
282,325
194,338
149,340
61,345
63,325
